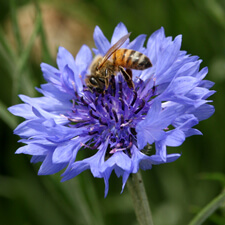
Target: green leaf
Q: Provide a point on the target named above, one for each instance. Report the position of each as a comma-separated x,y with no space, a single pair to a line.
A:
7,117
45,50
16,29
7,54
206,212
214,176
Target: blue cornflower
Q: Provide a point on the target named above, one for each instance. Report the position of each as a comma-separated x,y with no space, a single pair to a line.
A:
126,129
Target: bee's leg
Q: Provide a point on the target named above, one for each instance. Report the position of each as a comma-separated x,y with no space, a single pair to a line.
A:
129,71
127,74
106,83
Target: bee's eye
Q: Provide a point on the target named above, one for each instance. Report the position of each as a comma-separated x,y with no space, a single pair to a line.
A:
93,81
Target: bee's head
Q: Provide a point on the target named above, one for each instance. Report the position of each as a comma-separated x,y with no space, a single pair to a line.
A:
95,83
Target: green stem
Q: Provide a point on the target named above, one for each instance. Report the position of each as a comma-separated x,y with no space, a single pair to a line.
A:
208,209
141,205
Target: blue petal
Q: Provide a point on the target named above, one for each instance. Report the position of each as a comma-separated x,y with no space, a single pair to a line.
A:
118,171
161,151
93,163
37,103
67,80
147,131
172,157
162,156
64,58
149,135
185,121
175,138
191,132
181,85
37,158
48,167
151,128
206,84
106,176
64,151
145,164
49,104
168,114
78,168
201,75
62,133
22,110
96,51
153,44
33,149
98,160
101,41
137,43
139,159
168,57
118,159
71,80
30,128
50,73
204,112
119,32
52,92
189,69
199,93
125,177
83,59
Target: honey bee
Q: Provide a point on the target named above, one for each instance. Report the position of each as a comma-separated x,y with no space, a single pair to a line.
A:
115,60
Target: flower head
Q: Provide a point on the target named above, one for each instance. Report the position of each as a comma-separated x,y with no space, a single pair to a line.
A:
125,129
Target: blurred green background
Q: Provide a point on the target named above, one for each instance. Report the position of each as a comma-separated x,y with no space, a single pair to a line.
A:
30,33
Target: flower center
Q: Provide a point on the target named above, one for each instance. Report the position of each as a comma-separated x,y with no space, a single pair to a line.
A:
113,115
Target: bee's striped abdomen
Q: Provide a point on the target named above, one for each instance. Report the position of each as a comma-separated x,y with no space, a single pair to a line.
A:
132,59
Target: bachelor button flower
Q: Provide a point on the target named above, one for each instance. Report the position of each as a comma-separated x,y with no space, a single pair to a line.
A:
125,129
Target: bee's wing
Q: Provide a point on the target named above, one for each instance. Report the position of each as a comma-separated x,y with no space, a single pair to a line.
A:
113,49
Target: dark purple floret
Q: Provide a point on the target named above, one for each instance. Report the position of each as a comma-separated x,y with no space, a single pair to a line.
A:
112,115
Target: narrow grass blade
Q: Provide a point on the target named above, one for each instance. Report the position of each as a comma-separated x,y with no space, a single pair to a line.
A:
7,117
208,210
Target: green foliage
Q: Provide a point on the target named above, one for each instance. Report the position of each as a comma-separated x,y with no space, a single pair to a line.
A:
175,191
